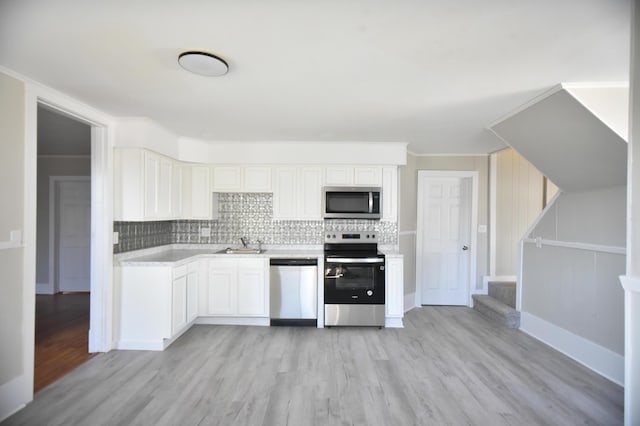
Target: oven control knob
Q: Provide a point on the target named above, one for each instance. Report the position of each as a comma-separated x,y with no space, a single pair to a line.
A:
368,236
333,236
373,235
369,292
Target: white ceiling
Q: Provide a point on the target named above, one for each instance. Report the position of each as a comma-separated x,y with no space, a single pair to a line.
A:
433,73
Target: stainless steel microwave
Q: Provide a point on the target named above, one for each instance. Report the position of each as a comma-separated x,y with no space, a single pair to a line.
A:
348,202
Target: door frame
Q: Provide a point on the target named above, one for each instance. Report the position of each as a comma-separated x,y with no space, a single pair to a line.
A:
473,250
53,235
101,299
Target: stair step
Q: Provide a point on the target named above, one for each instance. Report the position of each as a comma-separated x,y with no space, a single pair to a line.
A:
504,292
496,310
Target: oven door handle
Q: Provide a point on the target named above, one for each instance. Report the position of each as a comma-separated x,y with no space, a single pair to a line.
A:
370,202
334,277
351,260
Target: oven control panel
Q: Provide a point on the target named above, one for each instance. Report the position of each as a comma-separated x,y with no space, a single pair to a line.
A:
351,237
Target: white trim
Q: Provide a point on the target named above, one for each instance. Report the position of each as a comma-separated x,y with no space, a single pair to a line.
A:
406,233
393,322
598,358
14,396
474,175
630,284
53,242
102,255
539,242
520,275
493,206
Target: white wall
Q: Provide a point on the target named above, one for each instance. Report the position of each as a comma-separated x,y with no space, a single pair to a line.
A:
52,166
14,377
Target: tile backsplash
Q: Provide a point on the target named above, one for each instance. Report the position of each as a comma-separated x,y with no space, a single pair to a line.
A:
243,215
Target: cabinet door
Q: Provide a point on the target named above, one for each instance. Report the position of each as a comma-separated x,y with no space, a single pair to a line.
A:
222,287
201,207
251,288
257,179
390,193
163,189
394,287
369,176
227,179
192,295
151,177
177,199
284,193
179,304
310,198
339,176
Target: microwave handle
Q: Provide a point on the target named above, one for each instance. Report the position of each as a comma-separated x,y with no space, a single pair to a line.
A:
370,202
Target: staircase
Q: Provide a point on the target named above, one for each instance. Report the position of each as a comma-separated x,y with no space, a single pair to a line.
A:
500,304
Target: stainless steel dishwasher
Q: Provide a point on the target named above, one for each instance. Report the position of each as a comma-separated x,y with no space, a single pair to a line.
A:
294,292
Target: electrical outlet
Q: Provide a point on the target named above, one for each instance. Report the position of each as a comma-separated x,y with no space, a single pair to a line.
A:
116,238
205,232
482,229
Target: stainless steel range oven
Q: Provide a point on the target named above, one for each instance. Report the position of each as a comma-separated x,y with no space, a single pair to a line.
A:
354,289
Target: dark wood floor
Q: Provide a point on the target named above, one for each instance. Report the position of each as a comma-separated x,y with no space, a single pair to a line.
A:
448,366
62,327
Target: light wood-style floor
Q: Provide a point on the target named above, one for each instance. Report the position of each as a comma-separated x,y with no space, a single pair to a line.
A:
447,366
61,336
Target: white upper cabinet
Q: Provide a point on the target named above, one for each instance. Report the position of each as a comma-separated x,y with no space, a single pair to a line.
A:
370,176
241,179
338,176
227,178
257,179
143,185
390,193
200,200
353,176
297,193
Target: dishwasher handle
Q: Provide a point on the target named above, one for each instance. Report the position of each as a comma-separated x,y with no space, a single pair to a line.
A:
293,262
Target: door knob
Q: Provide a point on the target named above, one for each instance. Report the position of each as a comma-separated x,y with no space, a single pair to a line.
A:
465,247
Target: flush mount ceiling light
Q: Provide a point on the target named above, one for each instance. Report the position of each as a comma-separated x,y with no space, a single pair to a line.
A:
203,63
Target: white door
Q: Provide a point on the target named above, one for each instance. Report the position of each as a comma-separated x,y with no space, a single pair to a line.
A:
444,239
73,214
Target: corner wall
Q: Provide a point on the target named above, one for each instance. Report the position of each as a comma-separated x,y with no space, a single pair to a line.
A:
15,383
570,296
408,211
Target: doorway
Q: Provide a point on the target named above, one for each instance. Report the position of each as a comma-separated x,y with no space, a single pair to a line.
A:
446,237
63,248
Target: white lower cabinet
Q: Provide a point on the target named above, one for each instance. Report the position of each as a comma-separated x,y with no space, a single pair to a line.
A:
394,280
238,287
157,304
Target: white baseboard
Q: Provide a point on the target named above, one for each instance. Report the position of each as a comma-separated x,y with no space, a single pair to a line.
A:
14,396
44,288
598,358
409,302
393,322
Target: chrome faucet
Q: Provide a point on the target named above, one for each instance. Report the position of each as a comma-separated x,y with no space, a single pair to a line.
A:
259,246
245,241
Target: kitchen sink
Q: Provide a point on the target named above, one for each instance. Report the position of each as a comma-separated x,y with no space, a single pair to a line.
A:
230,250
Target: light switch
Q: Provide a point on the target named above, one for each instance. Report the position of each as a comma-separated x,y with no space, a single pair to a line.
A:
482,229
116,238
